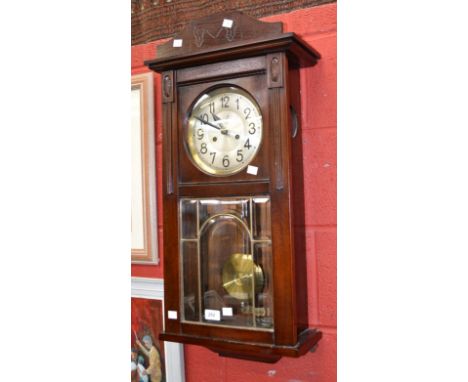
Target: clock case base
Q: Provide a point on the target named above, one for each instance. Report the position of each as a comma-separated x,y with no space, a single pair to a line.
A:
252,351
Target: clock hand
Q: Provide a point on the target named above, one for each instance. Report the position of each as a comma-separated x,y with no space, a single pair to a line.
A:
223,129
207,123
216,118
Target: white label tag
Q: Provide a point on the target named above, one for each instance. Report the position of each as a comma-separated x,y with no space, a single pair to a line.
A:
212,315
177,43
253,170
172,314
227,312
227,23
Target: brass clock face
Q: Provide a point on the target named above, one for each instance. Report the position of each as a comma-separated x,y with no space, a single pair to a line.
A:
225,129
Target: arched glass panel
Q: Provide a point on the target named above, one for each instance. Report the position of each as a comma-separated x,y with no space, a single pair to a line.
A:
226,261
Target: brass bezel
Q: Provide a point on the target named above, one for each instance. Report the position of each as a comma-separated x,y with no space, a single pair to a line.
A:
189,140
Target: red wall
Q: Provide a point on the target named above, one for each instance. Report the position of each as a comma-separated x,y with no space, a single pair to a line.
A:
317,26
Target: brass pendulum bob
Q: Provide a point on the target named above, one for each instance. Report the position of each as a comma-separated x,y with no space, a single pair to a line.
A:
241,276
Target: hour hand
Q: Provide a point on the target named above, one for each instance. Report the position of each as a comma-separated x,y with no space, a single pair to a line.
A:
223,129
216,118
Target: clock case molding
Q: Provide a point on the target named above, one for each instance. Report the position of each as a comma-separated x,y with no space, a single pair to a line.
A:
260,58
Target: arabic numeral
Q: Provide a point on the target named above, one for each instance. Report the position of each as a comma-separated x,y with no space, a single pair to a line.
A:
247,112
252,129
203,148
212,107
237,102
226,161
224,101
213,154
247,144
204,118
200,134
240,156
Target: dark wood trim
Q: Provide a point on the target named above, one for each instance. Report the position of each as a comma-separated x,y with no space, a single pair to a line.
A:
167,149
275,67
299,51
219,71
223,189
249,350
168,86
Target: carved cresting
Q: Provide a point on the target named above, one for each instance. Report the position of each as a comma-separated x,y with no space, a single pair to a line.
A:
227,33
217,30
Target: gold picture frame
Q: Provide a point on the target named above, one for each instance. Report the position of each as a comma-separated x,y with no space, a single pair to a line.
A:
144,211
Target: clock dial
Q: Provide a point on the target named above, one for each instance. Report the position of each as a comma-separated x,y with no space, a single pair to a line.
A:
225,129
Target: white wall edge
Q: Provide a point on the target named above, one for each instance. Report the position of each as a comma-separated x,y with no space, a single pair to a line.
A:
148,288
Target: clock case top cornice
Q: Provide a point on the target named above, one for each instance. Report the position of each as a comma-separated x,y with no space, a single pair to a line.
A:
207,41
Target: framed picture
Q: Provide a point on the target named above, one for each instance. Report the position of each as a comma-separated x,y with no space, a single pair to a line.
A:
144,216
152,360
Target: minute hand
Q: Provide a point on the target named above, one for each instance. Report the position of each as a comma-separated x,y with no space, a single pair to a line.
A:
207,123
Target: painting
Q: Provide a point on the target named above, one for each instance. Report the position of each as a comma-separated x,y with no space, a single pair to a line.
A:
147,353
152,360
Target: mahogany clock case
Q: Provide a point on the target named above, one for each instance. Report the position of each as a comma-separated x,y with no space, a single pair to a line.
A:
266,65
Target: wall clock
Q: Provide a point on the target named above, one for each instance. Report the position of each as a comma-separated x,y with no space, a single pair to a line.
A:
234,253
